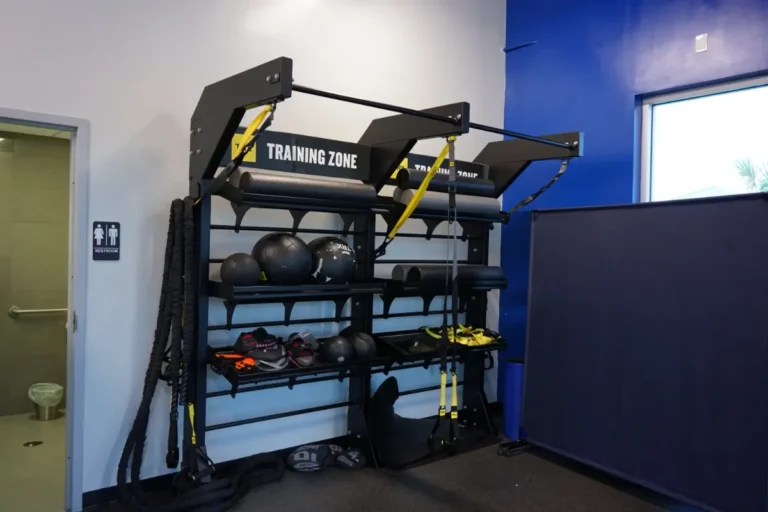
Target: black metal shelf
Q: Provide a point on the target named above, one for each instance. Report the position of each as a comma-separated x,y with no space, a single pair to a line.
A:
292,374
233,296
467,292
388,360
271,229
241,202
392,210
389,341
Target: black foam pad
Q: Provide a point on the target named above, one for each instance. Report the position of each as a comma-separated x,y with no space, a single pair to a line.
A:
485,207
300,186
411,179
435,273
398,441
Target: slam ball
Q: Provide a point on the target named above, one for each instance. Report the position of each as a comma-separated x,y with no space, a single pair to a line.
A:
337,349
240,269
333,260
284,258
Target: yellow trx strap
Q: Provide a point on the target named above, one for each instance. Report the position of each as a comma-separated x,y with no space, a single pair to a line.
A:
248,141
414,202
454,396
464,335
191,411
251,130
443,382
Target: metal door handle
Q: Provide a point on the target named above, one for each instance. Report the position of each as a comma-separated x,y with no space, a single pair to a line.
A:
16,311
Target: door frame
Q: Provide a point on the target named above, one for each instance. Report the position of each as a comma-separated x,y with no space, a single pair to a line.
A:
79,242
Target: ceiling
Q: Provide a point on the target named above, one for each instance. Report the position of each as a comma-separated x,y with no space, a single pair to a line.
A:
33,130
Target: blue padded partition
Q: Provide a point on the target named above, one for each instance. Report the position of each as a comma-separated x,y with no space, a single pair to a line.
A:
647,345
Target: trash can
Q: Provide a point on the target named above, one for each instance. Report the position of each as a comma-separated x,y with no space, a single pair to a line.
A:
47,398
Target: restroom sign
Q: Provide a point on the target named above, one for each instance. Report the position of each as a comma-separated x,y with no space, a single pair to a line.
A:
106,240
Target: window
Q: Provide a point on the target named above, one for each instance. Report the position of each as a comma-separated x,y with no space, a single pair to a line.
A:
707,142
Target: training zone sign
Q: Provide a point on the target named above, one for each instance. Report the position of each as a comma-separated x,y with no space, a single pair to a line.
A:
289,152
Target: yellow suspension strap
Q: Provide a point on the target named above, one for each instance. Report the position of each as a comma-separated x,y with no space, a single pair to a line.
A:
444,341
259,124
452,243
414,202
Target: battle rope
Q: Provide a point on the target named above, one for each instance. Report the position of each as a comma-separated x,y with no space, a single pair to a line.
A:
528,200
174,334
173,344
414,202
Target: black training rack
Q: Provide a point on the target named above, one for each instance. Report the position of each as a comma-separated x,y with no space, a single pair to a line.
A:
378,154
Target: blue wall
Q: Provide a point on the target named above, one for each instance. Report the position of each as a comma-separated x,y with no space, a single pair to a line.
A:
591,62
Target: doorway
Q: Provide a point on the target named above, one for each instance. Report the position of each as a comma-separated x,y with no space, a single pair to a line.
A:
43,171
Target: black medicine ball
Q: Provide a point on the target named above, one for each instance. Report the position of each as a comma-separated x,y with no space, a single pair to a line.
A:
365,345
333,260
284,258
337,349
240,269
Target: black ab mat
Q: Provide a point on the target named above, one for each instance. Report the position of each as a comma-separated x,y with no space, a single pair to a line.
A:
647,350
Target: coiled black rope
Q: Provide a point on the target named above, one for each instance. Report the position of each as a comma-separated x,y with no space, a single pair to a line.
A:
190,295
174,333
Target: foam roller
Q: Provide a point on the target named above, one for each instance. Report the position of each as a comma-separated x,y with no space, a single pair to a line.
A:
411,179
484,207
301,186
436,273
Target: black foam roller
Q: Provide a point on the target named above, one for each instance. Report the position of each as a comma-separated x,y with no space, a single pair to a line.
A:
483,207
301,186
436,273
411,179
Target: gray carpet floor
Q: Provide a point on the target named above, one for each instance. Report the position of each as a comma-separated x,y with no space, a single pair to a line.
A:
477,481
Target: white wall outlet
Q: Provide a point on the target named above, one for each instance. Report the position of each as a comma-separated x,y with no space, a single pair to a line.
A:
701,43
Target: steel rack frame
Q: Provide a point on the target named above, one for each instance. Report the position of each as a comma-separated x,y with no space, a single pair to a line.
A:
381,149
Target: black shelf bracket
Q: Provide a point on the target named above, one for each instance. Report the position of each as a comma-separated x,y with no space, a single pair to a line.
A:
427,298
288,304
291,383
230,308
347,220
432,225
222,106
508,159
340,303
392,138
240,211
298,216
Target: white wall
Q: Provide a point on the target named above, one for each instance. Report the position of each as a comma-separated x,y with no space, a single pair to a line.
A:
136,70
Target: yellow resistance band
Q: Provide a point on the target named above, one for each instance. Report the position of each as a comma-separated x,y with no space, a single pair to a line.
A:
246,146
253,127
443,382
191,408
454,397
414,202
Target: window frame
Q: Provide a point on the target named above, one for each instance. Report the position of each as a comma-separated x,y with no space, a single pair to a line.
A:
646,119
